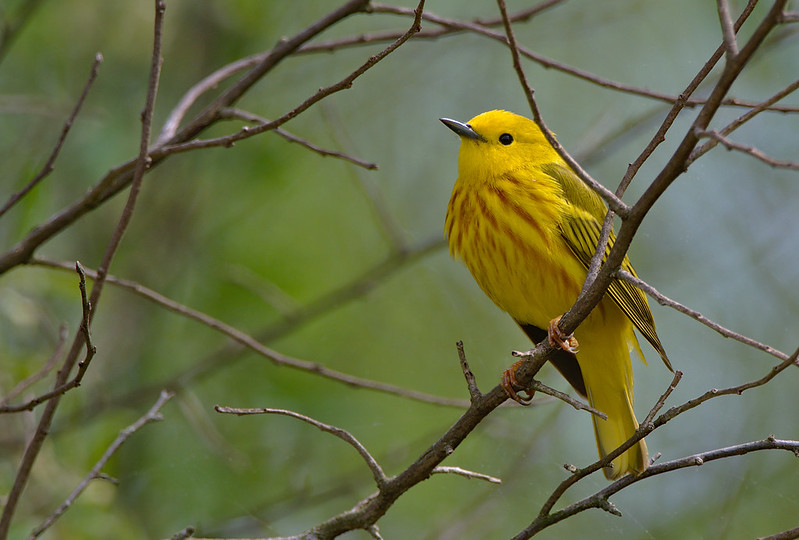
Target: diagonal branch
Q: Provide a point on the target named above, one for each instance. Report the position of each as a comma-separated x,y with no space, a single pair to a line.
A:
377,471
81,338
49,165
153,415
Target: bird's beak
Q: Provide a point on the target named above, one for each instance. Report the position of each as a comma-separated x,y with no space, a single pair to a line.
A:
463,130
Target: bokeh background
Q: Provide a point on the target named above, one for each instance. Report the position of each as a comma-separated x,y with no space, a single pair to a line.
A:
261,234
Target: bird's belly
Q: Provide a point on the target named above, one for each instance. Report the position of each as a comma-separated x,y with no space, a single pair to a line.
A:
534,282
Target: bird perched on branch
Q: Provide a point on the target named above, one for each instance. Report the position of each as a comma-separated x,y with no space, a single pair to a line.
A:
526,227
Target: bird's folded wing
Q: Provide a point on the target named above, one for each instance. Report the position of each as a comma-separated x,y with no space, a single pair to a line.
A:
581,232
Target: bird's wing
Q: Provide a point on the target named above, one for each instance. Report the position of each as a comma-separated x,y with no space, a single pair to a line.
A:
581,231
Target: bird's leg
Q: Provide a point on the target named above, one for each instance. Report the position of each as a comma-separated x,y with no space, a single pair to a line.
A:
509,384
558,339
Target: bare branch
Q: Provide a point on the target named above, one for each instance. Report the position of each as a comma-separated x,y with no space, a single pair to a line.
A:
538,386
43,426
664,300
39,375
377,471
738,122
615,204
153,415
791,534
471,383
727,29
466,474
254,345
83,337
49,165
255,119
247,132
600,498
751,150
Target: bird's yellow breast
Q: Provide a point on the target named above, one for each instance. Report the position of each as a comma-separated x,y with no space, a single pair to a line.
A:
506,232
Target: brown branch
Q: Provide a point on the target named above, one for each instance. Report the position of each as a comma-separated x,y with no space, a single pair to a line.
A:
453,26
546,518
122,175
49,165
83,338
255,346
751,150
39,375
701,150
259,120
466,474
153,415
43,426
600,498
664,300
377,471
246,132
727,29
591,296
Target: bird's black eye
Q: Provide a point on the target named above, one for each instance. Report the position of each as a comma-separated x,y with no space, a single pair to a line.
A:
506,138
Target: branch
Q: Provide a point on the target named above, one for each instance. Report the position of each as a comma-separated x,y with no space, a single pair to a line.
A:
751,150
738,122
153,415
254,345
466,474
663,300
377,471
255,119
43,426
83,338
39,375
615,204
600,498
49,165
590,297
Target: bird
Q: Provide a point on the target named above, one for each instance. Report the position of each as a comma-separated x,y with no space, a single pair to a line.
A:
526,227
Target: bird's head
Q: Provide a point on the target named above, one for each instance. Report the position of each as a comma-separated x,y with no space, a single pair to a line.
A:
498,143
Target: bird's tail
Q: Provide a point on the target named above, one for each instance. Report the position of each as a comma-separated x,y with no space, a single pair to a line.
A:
608,378
611,433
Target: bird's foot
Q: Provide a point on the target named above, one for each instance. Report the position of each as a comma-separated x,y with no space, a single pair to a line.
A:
509,384
557,338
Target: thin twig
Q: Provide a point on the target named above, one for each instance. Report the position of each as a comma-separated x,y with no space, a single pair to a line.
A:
255,346
663,397
682,101
153,415
701,150
471,383
45,421
255,119
377,471
600,499
39,375
615,204
664,300
538,386
82,338
751,150
49,165
466,474
727,29
246,132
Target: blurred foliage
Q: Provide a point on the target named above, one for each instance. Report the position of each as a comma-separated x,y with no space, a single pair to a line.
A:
252,233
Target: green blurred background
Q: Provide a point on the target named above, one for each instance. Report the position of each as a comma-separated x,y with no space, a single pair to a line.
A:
255,234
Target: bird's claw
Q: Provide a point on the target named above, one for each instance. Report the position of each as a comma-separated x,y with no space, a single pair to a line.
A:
509,384
557,338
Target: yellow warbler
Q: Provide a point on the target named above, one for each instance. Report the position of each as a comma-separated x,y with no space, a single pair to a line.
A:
526,227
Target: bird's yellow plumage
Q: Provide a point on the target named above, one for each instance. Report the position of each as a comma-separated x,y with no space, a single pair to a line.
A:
526,227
